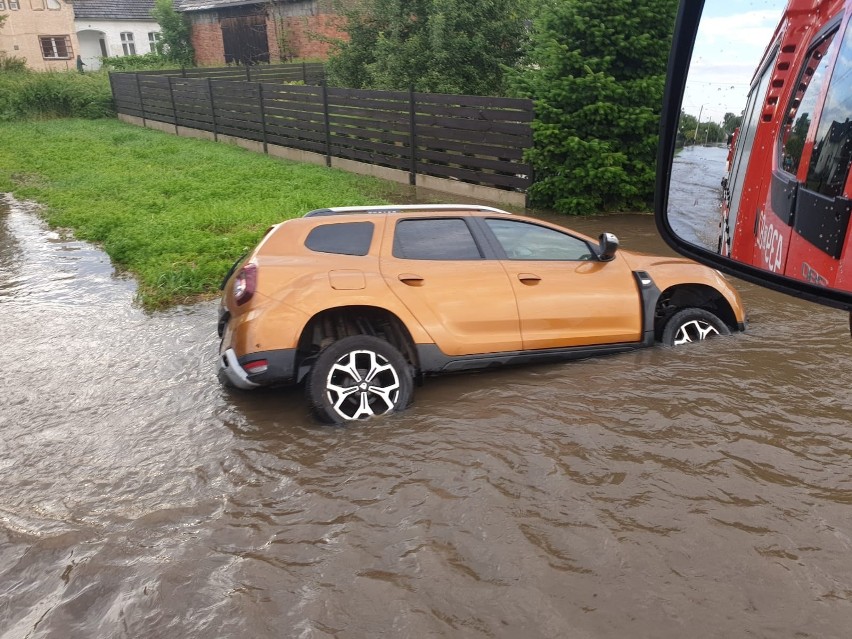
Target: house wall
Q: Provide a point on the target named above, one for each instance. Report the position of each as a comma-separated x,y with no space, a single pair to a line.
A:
20,33
303,35
296,24
89,31
207,38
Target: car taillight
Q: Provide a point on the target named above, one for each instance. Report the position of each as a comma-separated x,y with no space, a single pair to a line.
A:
245,283
257,366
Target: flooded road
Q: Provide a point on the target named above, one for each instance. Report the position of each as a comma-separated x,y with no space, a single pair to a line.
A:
698,492
695,195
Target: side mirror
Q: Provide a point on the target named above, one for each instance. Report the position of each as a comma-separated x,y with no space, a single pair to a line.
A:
607,247
753,171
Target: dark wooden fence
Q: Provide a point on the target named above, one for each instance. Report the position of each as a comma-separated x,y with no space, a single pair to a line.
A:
472,139
307,72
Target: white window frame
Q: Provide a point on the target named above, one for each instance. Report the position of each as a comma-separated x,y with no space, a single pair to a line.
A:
2,5
154,39
14,5
66,41
127,43
57,7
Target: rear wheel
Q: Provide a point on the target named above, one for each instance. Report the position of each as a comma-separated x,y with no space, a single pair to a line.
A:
359,377
692,325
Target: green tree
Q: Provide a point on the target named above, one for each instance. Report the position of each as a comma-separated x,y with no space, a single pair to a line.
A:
596,71
440,46
731,122
176,44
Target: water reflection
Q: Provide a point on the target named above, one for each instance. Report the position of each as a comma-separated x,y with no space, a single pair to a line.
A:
699,491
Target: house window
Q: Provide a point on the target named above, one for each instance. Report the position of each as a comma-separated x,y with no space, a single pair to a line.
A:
154,41
13,5
53,5
2,5
55,47
127,43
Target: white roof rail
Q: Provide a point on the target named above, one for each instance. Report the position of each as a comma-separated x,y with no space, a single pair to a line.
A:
393,208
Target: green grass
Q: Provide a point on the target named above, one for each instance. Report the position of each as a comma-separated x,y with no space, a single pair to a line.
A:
29,95
174,212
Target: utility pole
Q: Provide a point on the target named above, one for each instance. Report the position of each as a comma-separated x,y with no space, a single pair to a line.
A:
695,137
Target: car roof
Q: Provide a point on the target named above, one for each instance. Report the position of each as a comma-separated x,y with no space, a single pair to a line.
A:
404,208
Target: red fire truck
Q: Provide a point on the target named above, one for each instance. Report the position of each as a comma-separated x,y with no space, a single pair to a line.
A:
787,197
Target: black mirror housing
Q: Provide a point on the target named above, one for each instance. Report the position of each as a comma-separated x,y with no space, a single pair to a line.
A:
771,107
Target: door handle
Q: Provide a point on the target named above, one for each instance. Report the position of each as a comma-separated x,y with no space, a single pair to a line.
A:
411,279
529,278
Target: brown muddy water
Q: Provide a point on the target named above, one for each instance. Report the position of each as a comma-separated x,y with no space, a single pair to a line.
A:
697,492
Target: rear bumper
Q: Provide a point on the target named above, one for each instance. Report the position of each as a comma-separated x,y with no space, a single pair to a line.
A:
280,369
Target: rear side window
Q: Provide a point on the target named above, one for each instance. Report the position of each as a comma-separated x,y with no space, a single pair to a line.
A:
348,238
437,239
832,153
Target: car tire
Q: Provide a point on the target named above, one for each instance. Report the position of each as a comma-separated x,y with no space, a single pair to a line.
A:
692,325
358,377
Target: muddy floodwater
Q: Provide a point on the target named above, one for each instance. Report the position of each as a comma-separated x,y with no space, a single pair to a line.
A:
695,492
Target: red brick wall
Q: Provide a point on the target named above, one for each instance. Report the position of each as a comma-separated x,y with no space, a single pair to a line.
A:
207,42
303,31
300,32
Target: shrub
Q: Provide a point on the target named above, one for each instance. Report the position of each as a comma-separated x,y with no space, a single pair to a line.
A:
138,62
12,64
598,88
27,95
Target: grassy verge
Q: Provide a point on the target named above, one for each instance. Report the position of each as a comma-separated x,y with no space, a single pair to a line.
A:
28,95
172,211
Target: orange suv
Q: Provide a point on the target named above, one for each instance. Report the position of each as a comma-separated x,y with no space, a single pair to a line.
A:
359,302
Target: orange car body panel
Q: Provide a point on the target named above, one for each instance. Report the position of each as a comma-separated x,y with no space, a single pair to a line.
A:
463,307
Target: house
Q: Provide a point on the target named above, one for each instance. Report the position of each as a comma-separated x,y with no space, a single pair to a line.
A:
254,31
111,28
42,31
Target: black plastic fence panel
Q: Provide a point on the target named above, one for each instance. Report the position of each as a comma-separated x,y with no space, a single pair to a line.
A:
474,139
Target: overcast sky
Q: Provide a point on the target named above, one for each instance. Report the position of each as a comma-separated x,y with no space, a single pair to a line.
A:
731,40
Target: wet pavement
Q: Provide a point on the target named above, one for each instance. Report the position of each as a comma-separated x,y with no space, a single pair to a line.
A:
700,492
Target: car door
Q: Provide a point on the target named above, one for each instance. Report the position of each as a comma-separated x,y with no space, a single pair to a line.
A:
566,296
439,271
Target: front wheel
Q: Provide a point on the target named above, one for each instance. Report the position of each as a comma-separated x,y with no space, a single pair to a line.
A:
692,325
358,377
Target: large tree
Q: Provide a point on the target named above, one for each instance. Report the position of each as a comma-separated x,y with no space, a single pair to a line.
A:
176,44
596,71
441,46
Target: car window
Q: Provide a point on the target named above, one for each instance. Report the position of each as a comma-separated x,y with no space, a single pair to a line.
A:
435,239
832,154
349,238
524,241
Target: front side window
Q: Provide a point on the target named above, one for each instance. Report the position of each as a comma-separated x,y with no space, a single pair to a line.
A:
525,241
832,154
435,239
14,5
55,47
802,108
350,238
53,5
2,5
127,43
